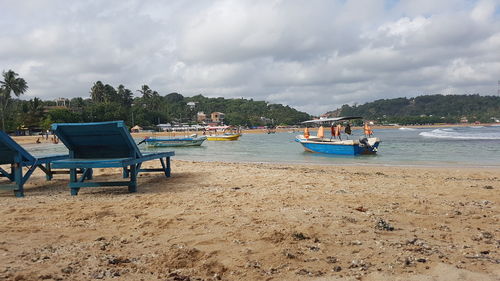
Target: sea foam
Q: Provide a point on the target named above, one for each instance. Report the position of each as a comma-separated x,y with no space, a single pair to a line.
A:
445,134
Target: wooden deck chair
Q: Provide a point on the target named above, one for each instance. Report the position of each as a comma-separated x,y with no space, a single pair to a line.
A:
18,158
104,145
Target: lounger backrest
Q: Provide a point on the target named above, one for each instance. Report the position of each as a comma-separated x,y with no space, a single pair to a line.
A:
9,150
97,140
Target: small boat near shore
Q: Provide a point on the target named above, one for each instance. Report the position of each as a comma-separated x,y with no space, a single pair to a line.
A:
366,144
192,140
224,137
228,133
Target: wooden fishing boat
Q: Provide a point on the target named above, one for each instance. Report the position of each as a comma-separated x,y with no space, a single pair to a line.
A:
193,140
228,133
224,137
366,144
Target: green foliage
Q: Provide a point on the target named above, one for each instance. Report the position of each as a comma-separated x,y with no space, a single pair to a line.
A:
62,115
106,103
428,109
10,84
249,112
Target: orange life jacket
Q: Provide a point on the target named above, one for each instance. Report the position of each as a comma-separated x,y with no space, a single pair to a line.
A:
368,130
321,132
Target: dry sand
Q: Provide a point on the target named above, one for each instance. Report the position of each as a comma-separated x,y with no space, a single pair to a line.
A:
234,221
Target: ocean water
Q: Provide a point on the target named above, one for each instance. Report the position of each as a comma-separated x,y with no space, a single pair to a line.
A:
475,146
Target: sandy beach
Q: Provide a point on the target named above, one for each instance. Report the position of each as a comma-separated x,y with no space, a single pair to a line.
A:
244,221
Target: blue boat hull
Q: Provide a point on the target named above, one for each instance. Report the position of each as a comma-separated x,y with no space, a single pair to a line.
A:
339,149
174,142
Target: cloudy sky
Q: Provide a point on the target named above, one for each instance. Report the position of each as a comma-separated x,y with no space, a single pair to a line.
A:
311,55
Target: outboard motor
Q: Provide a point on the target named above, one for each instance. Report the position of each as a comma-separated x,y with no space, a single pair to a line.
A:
364,142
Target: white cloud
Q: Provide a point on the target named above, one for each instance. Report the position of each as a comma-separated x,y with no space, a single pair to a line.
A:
483,11
315,56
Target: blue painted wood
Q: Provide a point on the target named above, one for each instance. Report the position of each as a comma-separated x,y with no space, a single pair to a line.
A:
104,145
15,155
332,148
11,151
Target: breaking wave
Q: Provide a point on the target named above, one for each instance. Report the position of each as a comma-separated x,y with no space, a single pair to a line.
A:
407,129
446,134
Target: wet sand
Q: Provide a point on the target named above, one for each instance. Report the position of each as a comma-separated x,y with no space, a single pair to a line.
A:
236,221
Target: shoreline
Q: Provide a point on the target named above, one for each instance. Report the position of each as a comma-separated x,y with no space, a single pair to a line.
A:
343,164
32,139
235,221
389,165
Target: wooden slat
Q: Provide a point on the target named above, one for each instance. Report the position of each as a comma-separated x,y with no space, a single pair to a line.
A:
98,184
8,187
103,145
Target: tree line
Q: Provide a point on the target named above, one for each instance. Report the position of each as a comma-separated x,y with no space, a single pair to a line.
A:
428,109
106,103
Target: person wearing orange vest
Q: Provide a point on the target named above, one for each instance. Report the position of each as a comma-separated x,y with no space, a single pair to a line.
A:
368,130
321,132
339,130
334,131
306,133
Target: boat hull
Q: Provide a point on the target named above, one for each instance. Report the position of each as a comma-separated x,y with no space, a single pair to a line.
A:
224,137
175,142
339,148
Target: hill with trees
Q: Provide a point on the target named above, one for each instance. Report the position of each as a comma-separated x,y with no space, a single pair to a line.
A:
107,103
427,109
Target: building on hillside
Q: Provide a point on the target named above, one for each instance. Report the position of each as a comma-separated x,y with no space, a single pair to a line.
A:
464,120
191,104
265,120
217,117
61,103
201,117
64,102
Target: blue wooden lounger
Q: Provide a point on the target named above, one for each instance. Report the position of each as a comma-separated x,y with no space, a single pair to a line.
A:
104,145
18,158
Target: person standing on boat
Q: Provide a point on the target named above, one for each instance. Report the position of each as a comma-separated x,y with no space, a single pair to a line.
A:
306,133
336,129
368,130
347,129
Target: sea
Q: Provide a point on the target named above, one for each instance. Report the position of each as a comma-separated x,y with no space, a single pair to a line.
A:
472,146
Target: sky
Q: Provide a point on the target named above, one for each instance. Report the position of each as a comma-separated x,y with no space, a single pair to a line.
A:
312,55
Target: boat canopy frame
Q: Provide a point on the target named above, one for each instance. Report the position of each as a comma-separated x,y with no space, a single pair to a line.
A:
333,119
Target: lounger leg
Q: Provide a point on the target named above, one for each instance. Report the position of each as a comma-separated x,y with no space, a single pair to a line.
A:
168,167
48,174
73,178
125,172
90,173
18,177
133,179
87,174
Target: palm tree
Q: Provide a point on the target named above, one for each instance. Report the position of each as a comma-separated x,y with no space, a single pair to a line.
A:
35,112
125,95
10,84
97,92
146,92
